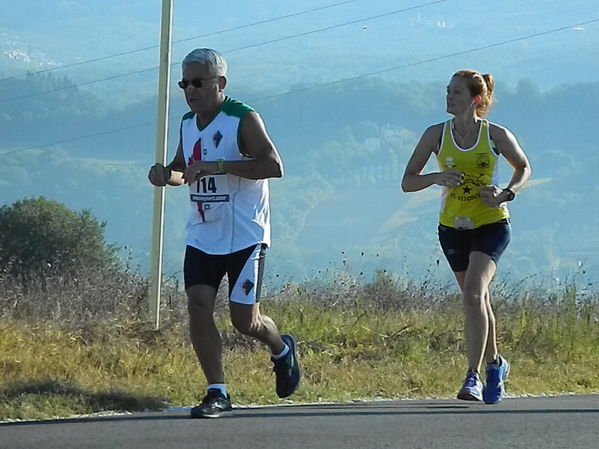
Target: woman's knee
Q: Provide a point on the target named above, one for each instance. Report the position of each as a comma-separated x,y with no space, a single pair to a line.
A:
474,297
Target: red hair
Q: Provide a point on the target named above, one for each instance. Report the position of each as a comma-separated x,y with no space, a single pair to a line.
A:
481,85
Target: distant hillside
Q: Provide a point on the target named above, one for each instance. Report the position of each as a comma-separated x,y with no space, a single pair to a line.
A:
345,148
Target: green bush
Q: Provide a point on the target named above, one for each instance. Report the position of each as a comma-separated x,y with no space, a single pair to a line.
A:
40,236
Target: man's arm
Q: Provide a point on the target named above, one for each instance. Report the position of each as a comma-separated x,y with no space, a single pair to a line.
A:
177,168
172,174
255,142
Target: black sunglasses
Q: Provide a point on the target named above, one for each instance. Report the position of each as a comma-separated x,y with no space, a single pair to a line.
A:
198,83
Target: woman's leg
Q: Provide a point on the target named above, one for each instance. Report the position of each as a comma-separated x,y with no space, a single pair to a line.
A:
478,315
491,347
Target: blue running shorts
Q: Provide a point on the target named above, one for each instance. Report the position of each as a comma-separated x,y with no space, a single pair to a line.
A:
491,239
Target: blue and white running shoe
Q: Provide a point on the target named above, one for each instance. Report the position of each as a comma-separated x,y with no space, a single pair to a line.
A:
472,390
496,376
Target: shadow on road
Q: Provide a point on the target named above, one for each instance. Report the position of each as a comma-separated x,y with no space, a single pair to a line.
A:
328,410
94,401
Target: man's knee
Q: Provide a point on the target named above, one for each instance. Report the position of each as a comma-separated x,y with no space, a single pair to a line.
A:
247,325
245,319
200,301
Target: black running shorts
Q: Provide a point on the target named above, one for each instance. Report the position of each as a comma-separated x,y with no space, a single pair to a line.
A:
491,239
244,269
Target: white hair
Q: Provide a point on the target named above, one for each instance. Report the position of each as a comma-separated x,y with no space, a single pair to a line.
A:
210,57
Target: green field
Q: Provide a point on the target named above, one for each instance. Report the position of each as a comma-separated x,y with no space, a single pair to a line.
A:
383,339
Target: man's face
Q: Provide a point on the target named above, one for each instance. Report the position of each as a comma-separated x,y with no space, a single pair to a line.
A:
202,87
458,97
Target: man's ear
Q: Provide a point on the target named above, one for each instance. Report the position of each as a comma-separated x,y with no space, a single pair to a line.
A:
222,82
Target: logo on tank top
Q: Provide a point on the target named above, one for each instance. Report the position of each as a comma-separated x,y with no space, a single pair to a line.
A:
196,155
468,191
217,138
482,160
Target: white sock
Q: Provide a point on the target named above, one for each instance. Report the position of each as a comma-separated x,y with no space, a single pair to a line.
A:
221,387
496,361
282,354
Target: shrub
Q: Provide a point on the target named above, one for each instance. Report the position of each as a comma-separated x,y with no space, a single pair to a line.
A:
40,236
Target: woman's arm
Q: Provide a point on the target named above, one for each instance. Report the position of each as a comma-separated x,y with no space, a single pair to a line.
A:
509,147
413,180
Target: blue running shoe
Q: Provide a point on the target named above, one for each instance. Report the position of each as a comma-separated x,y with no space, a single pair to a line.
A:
472,390
496,376
287,369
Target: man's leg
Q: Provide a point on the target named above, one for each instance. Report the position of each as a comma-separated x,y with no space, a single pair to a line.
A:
205,337
248,320
208,348
245,278
203,273
245,271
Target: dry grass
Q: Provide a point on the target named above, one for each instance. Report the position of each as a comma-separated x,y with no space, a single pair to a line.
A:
87,350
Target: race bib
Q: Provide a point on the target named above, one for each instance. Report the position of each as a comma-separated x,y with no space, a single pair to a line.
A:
463,223
210,189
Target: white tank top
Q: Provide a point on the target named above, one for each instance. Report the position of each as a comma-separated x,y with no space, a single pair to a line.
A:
228,213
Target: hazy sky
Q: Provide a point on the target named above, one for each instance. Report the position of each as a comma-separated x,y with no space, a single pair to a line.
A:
109,48
281,43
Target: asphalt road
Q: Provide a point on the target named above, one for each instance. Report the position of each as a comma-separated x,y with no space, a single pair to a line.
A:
548,422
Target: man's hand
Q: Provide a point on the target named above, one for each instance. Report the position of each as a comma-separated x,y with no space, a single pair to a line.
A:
492,196
198,170
449,178
159,175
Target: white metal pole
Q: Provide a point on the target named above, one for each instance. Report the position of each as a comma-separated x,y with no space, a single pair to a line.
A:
161,150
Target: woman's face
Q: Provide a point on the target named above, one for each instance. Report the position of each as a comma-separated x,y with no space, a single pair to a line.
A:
459,100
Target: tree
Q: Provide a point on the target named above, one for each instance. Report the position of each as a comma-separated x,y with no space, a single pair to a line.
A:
40,236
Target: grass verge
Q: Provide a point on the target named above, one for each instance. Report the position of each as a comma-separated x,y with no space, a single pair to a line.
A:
363,348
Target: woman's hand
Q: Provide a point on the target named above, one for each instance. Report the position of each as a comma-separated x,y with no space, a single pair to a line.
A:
492,196
449,178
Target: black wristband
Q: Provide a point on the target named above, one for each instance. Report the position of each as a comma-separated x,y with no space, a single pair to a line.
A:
510,194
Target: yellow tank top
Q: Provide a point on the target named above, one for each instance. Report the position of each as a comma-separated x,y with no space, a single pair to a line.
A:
461,206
